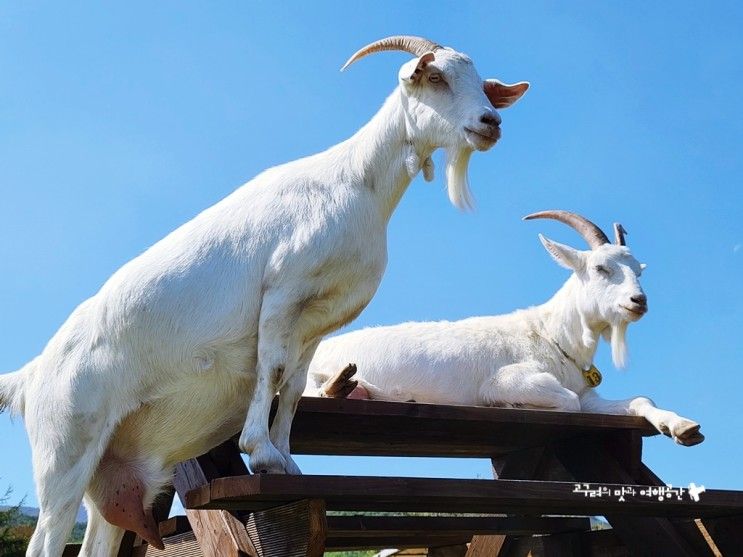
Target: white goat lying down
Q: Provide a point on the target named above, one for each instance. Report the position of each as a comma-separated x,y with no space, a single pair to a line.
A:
541,357
190,341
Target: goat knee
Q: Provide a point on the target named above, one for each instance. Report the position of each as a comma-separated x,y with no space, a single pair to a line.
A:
639,405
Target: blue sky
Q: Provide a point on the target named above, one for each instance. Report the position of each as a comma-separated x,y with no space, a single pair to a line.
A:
118,123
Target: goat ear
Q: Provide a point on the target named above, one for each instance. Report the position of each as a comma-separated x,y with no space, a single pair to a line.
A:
567,257
502,95
412,71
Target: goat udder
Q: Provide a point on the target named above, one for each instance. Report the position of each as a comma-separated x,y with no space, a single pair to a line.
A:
121,501
359,393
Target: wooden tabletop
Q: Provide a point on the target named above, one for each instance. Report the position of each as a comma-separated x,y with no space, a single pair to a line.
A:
370,427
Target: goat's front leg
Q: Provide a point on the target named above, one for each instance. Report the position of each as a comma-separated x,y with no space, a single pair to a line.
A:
277,359
289,396
682,430
526,385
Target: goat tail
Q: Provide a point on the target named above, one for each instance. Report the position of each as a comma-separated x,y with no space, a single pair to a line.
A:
12,389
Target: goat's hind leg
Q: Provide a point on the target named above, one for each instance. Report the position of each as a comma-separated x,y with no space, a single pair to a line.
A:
56,519
342,385
62,474
101,537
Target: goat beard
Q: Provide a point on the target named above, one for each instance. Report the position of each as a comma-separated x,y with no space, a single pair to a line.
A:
616,334
457,180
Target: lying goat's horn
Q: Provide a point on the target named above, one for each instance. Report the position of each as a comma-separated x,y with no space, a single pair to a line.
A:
590,232
406,43
619,233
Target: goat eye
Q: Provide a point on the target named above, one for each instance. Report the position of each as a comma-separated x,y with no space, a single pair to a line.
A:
435,78
602,270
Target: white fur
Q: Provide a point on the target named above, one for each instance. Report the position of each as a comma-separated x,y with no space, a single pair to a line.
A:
190,341
513,360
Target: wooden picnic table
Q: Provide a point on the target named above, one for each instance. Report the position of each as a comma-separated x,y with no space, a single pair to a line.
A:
551,471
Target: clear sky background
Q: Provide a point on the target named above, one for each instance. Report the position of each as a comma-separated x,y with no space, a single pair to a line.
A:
120,122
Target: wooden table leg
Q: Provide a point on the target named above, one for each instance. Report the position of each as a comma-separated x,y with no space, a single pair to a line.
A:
459,550
295,530
722,535
219,532
611,463
522,465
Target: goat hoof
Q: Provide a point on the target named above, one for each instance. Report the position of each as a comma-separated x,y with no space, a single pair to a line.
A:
347,372
291,467
687,433
341,384
266,459
346,389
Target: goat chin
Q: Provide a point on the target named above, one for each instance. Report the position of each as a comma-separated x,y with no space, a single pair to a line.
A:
457,180
619,343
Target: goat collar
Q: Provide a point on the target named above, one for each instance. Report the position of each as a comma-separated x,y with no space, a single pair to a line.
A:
592,375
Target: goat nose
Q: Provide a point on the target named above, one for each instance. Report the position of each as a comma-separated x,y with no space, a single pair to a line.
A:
490,119
640,299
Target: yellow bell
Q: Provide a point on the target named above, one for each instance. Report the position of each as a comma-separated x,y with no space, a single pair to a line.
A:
593,376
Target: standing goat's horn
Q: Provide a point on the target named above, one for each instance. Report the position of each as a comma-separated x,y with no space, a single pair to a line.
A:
406,43
590,232
619,233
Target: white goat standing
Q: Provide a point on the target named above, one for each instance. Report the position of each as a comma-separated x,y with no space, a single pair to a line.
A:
201,330
541,357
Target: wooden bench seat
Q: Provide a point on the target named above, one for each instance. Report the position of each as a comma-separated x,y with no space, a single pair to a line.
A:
358,531
348,532
258,492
